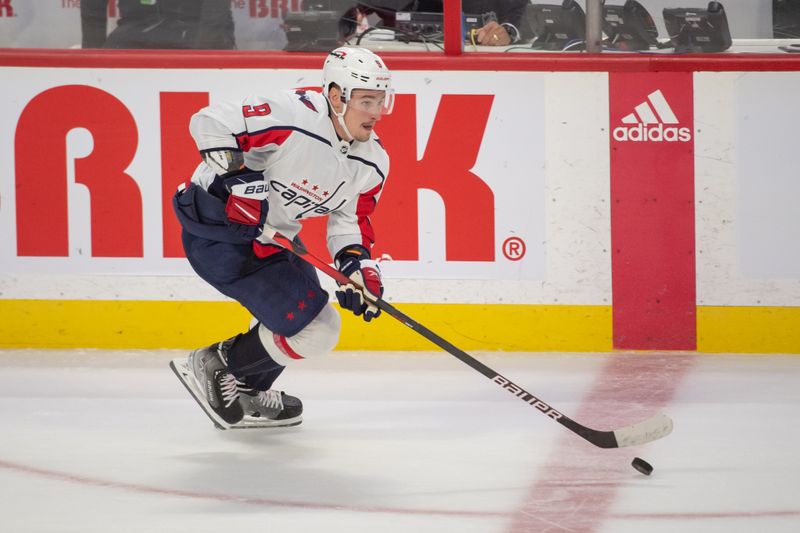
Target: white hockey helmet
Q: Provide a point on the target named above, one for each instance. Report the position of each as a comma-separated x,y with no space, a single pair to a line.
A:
357,68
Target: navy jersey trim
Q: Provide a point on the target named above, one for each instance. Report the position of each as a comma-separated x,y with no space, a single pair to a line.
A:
369,164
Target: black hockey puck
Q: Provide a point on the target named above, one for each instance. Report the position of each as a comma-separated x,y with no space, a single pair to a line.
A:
642,466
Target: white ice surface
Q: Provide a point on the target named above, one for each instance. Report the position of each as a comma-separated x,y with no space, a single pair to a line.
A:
104,441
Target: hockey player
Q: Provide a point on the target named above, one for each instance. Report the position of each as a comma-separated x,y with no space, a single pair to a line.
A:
270,161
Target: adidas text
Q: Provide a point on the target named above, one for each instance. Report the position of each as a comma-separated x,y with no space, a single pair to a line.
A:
652,132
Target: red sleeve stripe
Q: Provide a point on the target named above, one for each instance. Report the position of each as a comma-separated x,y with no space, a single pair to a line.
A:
364,208
277,136
283,345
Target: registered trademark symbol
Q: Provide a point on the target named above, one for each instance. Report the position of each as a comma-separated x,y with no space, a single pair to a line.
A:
514,248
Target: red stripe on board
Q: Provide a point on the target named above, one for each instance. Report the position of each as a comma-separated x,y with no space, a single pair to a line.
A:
652,211
576,488
473,61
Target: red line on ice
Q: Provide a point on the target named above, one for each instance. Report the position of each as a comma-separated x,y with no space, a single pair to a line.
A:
267,502
575,489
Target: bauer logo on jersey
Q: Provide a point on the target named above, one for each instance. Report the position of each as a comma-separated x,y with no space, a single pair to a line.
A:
652,120
309,198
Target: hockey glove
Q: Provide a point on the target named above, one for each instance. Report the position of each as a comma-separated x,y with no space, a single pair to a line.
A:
247,205
359,297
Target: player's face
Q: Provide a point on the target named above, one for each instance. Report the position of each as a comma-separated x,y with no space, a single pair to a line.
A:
363,111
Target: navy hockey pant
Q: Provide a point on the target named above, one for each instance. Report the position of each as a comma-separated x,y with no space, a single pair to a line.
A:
282,291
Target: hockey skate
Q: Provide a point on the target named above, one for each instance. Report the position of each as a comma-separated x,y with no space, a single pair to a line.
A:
217,391
269,408
205,375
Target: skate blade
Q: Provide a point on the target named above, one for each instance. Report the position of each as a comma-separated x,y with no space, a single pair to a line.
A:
249,422
181,370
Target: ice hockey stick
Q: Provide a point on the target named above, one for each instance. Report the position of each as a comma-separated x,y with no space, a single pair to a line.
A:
648,430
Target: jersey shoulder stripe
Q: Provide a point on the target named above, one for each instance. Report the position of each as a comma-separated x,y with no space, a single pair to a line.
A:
273,135
276,135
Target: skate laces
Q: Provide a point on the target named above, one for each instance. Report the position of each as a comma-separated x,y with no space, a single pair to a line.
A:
229,388
271,399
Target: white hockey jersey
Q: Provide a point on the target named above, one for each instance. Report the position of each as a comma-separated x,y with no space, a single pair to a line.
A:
309,171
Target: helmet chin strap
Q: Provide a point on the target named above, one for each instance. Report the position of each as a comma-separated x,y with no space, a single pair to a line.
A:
340,118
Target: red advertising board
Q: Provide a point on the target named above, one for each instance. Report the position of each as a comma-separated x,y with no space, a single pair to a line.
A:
652,206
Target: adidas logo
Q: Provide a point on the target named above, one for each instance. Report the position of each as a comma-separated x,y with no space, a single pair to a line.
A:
651,121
